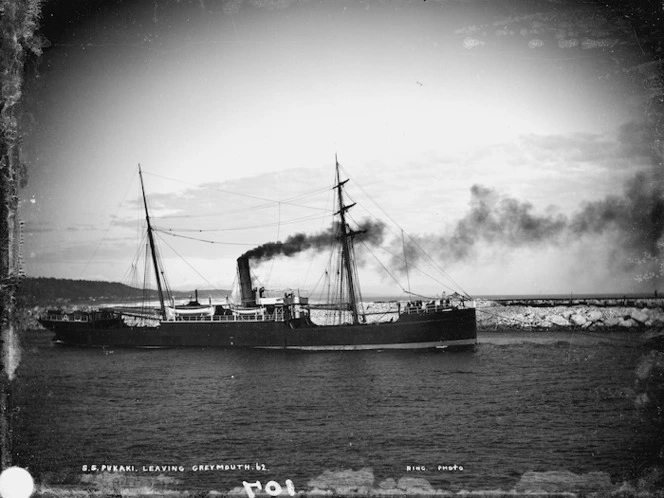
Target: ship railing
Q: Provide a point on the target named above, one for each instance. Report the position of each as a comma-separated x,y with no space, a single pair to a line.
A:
423,308
67,317
252,317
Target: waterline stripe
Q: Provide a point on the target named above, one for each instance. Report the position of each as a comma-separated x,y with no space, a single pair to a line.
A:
357,347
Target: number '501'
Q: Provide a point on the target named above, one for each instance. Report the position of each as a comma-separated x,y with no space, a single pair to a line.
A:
272,488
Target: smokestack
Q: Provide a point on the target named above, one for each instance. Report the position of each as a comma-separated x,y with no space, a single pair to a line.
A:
248,298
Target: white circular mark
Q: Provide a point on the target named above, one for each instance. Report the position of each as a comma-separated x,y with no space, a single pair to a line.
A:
568,43
469,43
16,482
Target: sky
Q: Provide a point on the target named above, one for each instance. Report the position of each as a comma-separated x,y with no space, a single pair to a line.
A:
514,142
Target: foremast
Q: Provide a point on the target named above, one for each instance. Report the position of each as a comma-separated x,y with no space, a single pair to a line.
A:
346,239
152,247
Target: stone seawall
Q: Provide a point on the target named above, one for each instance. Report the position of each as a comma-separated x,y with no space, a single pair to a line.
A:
491,317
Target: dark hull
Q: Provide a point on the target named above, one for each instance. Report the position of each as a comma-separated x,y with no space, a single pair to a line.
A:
447,328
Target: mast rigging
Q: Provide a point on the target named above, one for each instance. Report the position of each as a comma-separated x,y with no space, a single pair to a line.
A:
152,246
346,238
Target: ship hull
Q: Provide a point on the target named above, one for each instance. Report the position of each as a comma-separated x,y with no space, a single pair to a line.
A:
451,328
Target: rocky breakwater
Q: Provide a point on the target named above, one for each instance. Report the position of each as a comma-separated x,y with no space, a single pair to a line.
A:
491,316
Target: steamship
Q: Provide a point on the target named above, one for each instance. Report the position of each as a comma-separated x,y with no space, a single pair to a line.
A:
271,322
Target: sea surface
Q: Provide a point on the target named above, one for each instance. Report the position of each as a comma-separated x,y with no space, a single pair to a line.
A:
519,402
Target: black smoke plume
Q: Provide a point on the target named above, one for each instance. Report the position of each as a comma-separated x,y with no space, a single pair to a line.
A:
636,218
628,227
496,219
372,232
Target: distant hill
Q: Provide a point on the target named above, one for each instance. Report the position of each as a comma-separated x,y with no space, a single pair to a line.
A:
58,291
37,291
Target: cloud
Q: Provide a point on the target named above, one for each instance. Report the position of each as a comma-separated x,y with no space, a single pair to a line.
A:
629,147
576,147
567,31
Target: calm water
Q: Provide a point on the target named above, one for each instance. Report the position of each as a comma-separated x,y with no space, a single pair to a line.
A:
519,402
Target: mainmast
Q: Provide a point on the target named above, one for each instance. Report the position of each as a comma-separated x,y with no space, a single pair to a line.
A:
346,241
152,246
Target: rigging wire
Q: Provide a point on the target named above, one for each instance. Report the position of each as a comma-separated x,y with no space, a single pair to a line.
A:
130,277
308,194
244,210
103,237
167,294
165,232
328,200
412,267
384,267
188,264
424,253
279,222
268,202
267,280
435,264
356,278
339,288
404,258
325,277
234,288
239,194
146,279
160,274
264,225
